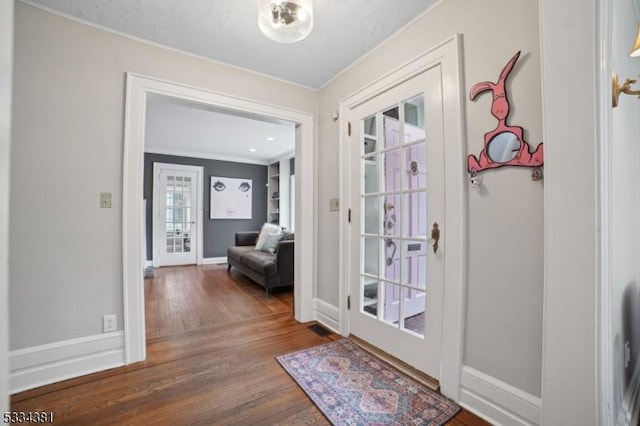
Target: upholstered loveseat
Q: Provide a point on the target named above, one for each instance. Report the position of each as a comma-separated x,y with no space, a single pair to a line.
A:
270,270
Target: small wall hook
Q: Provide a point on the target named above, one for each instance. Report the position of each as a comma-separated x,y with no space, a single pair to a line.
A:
536,174
474,179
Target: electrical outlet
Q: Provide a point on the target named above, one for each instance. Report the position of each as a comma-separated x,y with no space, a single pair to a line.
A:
334,205
109,323
105,200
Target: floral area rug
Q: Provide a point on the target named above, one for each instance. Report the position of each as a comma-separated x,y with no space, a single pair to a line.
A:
352,387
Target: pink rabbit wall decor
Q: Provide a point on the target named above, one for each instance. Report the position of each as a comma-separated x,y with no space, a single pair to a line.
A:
505,145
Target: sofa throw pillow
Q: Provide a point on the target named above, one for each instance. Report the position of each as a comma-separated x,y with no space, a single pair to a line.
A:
269,237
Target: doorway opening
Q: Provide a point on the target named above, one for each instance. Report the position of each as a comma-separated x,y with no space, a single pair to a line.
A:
139,88
235,154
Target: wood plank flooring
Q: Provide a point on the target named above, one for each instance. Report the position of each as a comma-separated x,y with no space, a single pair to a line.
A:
211,342
180,299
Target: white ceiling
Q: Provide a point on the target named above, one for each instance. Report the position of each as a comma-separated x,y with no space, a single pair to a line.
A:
227,31
196,130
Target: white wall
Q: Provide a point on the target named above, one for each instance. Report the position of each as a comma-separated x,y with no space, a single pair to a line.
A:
6,68
569,69
505,270
624,207
66,252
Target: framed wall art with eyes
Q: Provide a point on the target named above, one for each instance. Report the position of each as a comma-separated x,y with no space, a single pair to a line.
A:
230,198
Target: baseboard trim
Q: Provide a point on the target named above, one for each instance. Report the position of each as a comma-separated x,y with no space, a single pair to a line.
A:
496,401
51,363
149,264
327,315
214,260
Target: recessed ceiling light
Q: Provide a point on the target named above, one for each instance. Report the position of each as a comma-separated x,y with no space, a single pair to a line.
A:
252,150
270,139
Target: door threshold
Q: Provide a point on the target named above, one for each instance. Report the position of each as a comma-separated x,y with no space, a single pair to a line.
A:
402,366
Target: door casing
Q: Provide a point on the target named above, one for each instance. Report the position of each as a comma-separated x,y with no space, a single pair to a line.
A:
138,88
447,54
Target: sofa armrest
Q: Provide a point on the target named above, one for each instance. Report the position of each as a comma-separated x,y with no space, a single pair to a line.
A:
248,238
285,261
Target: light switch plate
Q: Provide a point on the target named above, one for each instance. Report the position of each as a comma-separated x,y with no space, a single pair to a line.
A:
105,200
334,205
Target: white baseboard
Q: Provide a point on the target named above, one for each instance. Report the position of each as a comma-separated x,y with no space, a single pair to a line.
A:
46,364
205,261
149,263
214,260
496,401
327,315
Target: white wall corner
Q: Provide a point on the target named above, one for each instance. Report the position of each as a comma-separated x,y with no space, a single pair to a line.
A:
42,365
497,402
214,260
6,71
327,315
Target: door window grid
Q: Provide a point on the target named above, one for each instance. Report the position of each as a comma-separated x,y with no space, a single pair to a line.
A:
375,195
178,214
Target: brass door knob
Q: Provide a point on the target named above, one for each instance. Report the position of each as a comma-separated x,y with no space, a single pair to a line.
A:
435,236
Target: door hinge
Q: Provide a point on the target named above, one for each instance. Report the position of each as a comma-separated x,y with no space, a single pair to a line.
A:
349,216
348,302
349,128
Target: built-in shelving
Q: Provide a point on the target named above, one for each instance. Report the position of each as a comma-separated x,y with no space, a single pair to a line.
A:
279,182
273,206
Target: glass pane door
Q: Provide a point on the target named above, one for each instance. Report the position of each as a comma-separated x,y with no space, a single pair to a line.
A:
178,214
175,228
394,216
396,194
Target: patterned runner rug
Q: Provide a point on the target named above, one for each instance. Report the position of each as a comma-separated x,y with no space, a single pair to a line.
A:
352,387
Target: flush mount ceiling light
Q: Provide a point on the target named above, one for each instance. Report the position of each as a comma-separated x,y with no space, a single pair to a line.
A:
285,21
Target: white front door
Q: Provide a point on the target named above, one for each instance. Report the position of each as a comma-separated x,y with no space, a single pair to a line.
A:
397,198
175,206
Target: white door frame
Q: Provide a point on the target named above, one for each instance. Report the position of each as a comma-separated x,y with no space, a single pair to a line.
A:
199,171
447,54
137,90
6,70
604,357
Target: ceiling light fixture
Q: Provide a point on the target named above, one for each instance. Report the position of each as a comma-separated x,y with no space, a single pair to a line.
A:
270,139
285,21
252,150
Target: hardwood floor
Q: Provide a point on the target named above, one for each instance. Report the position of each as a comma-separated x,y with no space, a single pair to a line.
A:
186,298
211,342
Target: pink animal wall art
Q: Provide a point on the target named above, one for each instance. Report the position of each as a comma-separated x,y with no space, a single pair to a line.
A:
505,145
